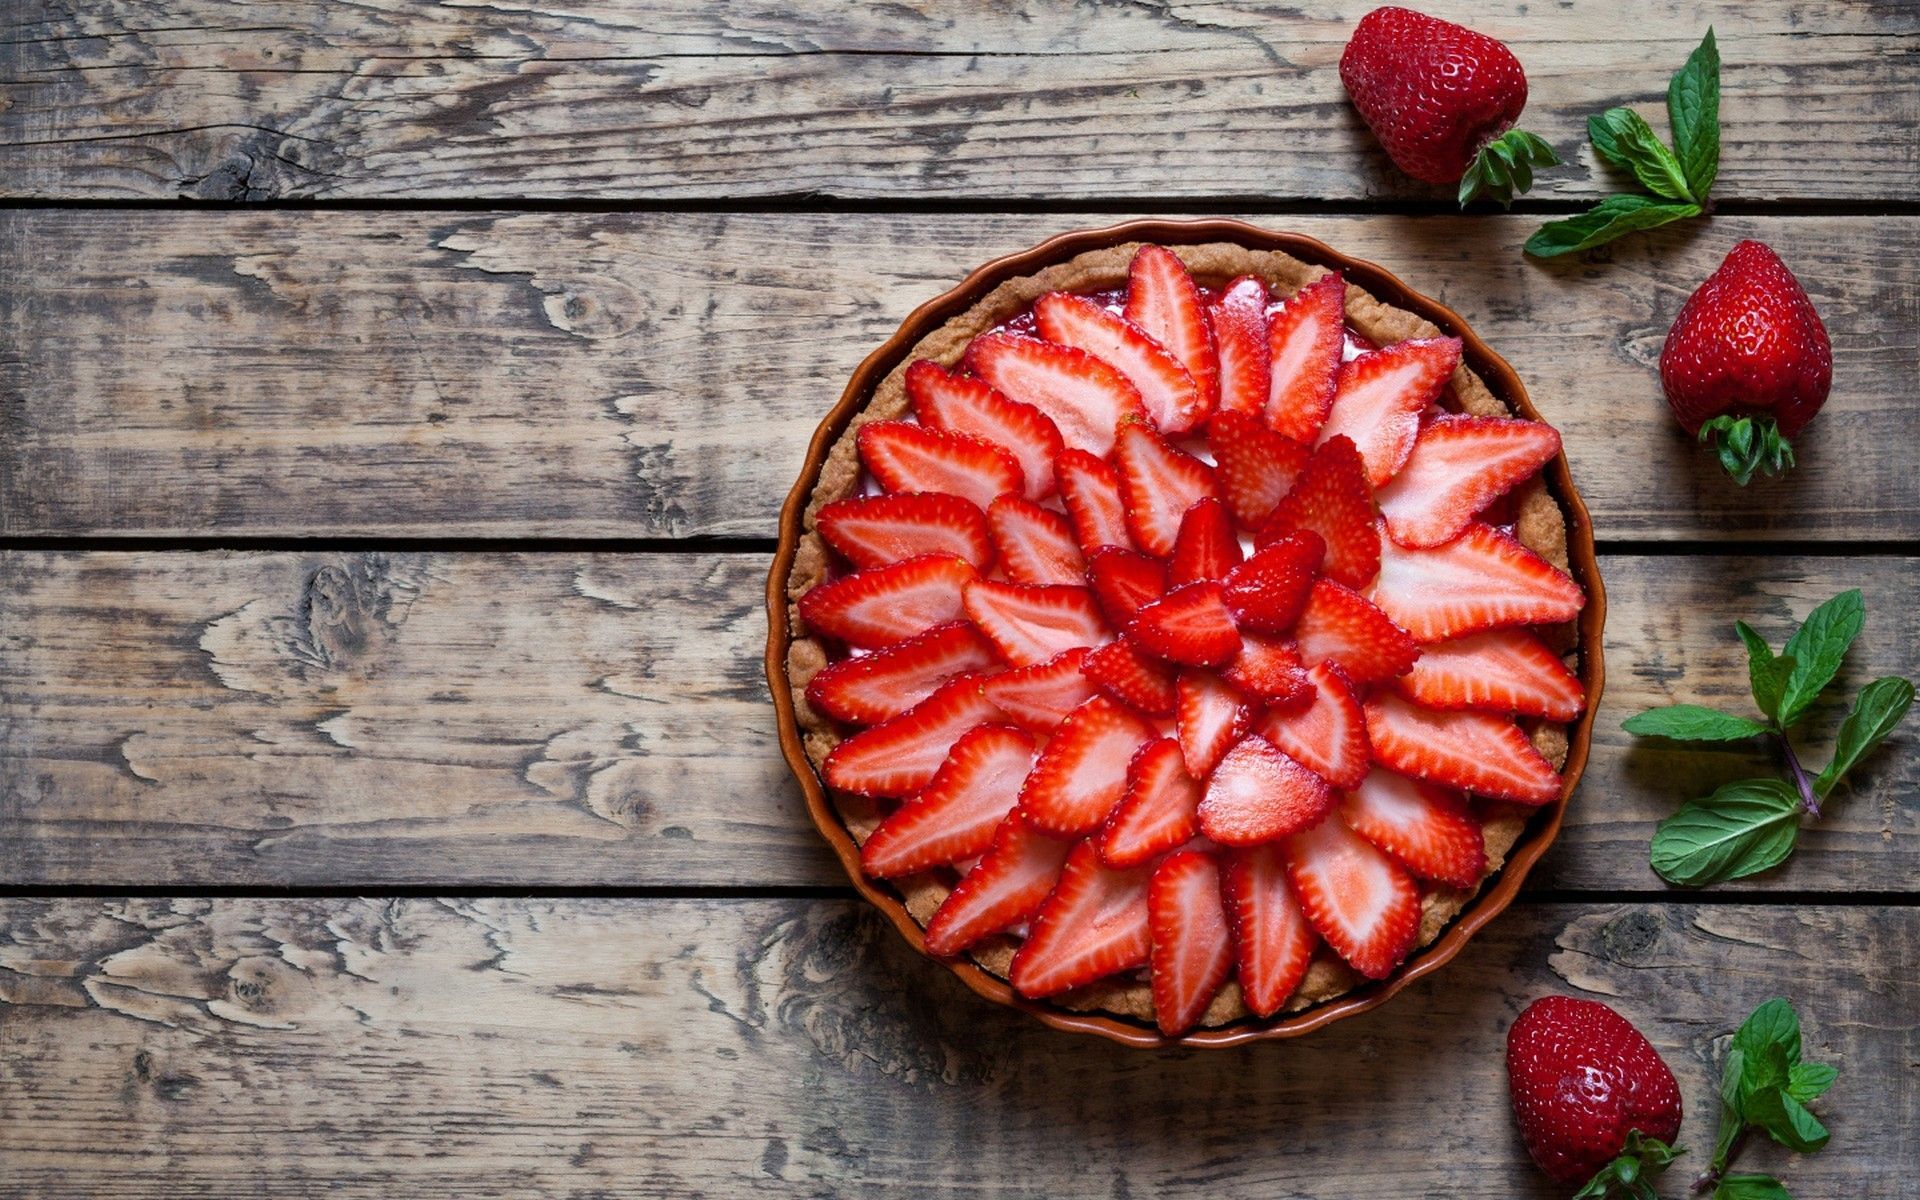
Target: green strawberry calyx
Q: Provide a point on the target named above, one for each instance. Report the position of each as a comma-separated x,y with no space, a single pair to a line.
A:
1746,445
1632,1173
1504,166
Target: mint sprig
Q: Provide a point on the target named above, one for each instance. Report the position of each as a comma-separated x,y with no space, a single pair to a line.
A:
1751,825
1765,1087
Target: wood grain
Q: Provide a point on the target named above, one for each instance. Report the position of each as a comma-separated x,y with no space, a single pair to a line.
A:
658,374
645,98
369,720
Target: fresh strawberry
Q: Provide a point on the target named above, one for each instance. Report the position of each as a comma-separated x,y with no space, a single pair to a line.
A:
1008,885
1141,683
1500,670
1092,925
1305,341
1085,398
1483,579
1206,547
870,688
955,815
1188,625
963,404
1354,896
1273,943
1258,794
1030,624
1163,300
1124,581
1380,395
899,757
1427,829
1039,697
1035,544
1156,813
1269,668
1191,947
1747,363
906,457
1082,772
1329,735
1239,320
1159,484
1254,466
888,604
1476,752
877,531
1165,388
1339,624
1091,492
1268,592
1459,465
1210,717
1582,1078
1331,498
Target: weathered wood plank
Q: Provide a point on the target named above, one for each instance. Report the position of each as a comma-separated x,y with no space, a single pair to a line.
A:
202,98
532,720
659,374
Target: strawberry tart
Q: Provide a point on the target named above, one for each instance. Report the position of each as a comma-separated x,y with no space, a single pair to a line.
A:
1184,633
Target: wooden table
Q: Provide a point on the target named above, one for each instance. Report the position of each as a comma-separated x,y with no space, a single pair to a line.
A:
395,402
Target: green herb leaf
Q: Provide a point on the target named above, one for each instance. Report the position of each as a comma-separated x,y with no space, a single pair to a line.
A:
1616,216
1692,723
1731,1074
1772,1024
1817,648
1693,112
1741,829
1751,1187
1786,1121
1623,137
1879,707
1806,1081
1766,673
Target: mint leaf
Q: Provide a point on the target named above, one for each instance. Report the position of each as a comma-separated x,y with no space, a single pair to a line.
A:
1693,112
1616,216
1692,723
1623,137
1766,673
1772,1024
1732,1073
1741,829
1806,1081
1751,1187
1879,707
1817,648
1787,1121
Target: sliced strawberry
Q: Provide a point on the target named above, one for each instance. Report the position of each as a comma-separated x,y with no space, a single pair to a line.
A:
1354,896
1268,592
1459,465
1007,885
1159,484
1380,395
899,757
1188,625
1091,491
1035,544
906,457
1273,943
1339,624
1164,385
1124,581
1483,579
1331,498
1304,342
1093,924
1085,398
1500,670
1239,320
1156,813
876,531
1142,683
871,688
1206,546
1082,772
1329,734
1258,794
1163,300
1255,466
1192,950
963,404
1427,829
888,604
954,816
1030,624
1210,717
1269,668
1476,752
1039,697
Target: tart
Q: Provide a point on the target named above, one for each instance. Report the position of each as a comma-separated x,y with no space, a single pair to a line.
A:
1184,633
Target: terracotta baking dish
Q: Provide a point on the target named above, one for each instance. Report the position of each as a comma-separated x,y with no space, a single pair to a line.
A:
1498,891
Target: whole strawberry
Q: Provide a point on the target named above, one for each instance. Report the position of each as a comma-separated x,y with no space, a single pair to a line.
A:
1442,99
1583,1079
1747,363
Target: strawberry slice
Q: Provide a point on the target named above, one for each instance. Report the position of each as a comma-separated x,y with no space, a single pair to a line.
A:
1124,581
1483,579
1459,465
1339,624
1269,668
1163,300
1039,697
1156,813
871,688
1164,385
1030,624
963,404
1092,925
1188,625
1258,794
1476,752
1354,896
1329,734
1331,498
1255,466
877,531
1191,948
954,816
1085,398
1269,591
1035,544
1091,492
1159,484
1239,320
1210,717
1142,683
1273,944
1206,546
1082,772
1379,396
906,457
888,604
1500,670
1008,885
1304,341
1427,829
901,756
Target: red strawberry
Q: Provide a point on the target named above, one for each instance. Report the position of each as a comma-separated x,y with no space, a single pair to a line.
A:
1141,683
1085,398
1255,466
1082,772
906,457
1165,387
1239,320
1379,398
1306,339
1339,624
1210,718
1035,544
1029,624
1268,592
1188,625
899,757
1273,943
1039,697
1330,734
1331,498
1159,484
1008,885
1094,924
1124,581
963,404
1163,300
1501,670
1091,492
1459,465
1582,1077
954,816
1156,813
1476,752
1483,579
1747,363
1354,896
870,688
1206,547
1427,829
1269,668
875,531
1191,948
1258,794
888,604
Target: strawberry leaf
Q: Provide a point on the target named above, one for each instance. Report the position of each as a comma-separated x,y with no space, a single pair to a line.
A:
1505,166
1616,216
1741,829
1747,446
1623,138
1879,707
1693,112
1692,723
